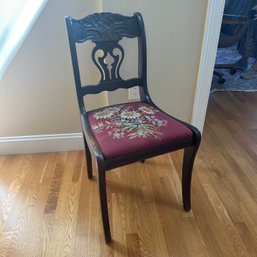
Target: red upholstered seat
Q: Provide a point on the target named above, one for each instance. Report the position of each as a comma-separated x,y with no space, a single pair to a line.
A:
132,127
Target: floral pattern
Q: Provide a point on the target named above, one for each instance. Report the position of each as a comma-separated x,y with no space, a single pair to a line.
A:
128,121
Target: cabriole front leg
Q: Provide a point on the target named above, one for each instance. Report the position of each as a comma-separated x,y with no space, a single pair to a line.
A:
188,163
103,203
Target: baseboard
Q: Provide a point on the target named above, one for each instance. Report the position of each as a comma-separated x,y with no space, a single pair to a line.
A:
41,143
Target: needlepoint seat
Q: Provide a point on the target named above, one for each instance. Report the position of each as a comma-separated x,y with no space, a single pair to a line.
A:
134,127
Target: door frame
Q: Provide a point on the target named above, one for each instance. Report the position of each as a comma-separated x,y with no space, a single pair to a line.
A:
212,26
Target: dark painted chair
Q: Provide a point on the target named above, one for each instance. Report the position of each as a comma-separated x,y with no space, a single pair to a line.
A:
125,133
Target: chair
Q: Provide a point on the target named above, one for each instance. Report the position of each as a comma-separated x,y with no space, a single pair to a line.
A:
125,133
236,20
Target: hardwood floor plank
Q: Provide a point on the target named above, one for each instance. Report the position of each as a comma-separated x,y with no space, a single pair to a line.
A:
49,208
247,237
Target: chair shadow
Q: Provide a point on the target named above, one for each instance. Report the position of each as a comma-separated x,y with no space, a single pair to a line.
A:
119,247
138,193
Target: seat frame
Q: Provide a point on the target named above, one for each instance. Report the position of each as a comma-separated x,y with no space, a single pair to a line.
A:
105,30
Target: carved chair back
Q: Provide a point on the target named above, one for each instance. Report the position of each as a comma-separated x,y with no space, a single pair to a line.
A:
105,30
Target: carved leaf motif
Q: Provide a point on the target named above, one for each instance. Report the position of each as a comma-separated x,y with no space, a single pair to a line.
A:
105,27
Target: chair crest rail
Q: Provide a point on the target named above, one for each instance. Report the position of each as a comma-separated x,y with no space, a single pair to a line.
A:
100,27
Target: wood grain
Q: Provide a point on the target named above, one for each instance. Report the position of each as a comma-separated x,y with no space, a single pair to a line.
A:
49,208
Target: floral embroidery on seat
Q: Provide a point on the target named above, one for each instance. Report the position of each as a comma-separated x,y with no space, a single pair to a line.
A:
106,113
128,121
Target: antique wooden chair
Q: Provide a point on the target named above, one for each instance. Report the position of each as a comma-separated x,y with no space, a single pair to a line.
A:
125,133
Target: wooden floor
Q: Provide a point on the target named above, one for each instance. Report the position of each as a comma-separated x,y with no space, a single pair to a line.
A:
49,208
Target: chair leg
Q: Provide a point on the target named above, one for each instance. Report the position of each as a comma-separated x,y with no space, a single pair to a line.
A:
188,163
88,159
103,204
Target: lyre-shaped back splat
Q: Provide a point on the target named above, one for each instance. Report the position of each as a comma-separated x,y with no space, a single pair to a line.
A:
108,58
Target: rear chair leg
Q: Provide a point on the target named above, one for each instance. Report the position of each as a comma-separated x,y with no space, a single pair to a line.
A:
88,159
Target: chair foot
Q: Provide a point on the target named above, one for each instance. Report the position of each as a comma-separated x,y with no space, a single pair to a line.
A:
103,205
188,163
88,159
187,206
108,240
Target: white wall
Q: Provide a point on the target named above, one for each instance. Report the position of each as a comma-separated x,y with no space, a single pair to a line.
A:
174,31
37,93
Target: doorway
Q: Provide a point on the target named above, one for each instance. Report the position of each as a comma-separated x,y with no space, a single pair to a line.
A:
208,56
237,49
